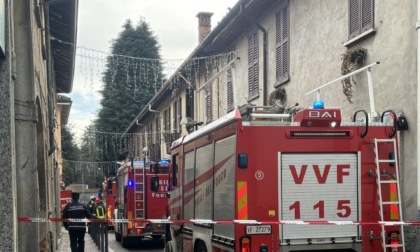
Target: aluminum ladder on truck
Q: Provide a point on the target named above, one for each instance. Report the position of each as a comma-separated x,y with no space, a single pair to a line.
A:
140,197
394,183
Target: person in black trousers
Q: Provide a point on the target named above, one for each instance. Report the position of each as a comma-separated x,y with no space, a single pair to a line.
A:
77,230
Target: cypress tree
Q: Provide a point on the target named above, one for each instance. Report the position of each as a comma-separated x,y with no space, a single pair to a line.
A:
129,84
69,151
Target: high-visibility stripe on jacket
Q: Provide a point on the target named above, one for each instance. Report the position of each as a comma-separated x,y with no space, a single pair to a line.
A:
100,212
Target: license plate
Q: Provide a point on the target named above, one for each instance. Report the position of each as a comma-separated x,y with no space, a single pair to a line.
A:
262,229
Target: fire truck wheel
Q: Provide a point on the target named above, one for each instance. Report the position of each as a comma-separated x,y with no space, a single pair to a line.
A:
124,241
168,247
200,246
117,236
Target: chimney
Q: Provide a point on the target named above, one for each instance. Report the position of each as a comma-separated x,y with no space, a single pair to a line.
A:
204,25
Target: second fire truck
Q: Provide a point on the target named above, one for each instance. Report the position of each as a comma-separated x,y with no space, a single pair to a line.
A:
258,180
136,203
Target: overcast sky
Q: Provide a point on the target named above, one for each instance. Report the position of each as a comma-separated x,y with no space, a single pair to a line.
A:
173,22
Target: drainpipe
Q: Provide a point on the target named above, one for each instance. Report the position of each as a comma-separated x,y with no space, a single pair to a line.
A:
418,99
151,110
50,83
51,240
265,88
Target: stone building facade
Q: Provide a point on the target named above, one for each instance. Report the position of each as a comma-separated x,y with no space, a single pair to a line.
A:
293,47
38,40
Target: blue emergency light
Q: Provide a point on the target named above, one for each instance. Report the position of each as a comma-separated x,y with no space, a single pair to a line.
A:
318,104
130,183
164,162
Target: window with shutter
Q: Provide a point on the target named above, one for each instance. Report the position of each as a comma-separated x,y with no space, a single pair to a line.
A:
143,138
158,129
229,85
168,121
208,98
178,118
189,103
253,57
174,117
177,115
165,120
229,90
149,134
153,131
360,16
282,44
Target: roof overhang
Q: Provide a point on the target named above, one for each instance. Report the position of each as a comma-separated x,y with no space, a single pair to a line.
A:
65,103
63,29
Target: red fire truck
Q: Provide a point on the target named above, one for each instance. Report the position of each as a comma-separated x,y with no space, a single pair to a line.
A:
110,195
136,203
302,180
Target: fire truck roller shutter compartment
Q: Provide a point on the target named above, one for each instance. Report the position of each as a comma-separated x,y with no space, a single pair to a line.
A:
204,183
319,187
224,186
189,187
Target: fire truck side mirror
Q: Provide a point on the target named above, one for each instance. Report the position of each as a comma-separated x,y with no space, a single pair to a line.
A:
154,184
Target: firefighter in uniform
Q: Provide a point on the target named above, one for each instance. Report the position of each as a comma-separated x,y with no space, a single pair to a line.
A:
98,210
77,230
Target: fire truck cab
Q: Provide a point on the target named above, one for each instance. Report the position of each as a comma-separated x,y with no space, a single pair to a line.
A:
273,179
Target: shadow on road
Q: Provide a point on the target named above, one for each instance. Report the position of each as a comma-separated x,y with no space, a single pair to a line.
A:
145,244
148,244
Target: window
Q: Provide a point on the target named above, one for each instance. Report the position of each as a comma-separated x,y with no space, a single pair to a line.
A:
282,44
253,57
360,16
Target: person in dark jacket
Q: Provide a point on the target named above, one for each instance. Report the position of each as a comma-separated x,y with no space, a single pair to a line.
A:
77,230
91,203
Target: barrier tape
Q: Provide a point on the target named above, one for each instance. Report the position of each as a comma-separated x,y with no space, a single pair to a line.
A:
208,221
